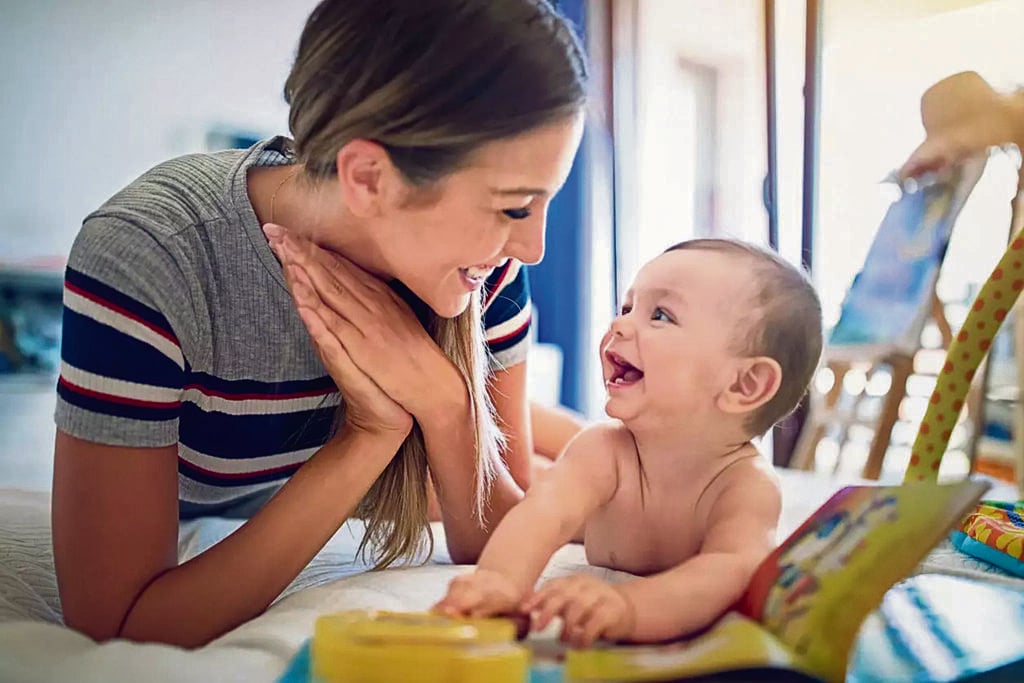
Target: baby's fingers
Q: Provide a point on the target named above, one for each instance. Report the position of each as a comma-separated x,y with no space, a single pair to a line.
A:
550,604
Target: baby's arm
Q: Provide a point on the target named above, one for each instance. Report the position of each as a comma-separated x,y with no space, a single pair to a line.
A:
740,533
555,508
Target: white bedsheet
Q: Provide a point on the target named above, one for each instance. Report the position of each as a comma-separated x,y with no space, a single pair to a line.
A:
35,647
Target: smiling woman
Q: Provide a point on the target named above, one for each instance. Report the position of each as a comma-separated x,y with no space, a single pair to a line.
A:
297,332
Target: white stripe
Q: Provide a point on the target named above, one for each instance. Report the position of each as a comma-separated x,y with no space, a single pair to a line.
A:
510,277
103,315
258,406
243,465
510,325
118,387
192,491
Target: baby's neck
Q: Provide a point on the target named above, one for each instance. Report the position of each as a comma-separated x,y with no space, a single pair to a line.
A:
668,454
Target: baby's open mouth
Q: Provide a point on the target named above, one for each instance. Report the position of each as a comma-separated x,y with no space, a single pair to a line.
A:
623,372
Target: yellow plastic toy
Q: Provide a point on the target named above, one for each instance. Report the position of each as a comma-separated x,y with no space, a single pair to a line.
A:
374,647
965,354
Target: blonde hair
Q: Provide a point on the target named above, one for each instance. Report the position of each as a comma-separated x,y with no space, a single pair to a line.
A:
431,81
395,507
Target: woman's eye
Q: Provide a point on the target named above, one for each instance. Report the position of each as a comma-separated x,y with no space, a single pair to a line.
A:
660,315
517,214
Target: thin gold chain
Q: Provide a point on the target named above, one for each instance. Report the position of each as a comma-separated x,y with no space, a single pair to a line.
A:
273,197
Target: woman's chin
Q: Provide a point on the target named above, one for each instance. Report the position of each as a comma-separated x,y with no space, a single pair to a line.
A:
449,306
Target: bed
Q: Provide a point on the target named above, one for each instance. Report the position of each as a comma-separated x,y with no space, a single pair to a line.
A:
35,647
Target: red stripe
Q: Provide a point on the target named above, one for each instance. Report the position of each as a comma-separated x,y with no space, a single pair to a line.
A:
497,285
112,398
506,337
258,397
239,475
123,311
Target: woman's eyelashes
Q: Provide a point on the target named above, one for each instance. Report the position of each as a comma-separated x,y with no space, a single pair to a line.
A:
518,214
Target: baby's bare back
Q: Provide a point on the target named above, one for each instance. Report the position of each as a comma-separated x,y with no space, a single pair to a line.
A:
652,524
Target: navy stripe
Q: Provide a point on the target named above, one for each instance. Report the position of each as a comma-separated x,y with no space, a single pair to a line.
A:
98,348
109,294
241,387
499,346
495,279
240,437
126,410
509,302
202,477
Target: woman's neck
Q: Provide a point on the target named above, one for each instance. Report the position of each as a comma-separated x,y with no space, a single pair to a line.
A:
315,211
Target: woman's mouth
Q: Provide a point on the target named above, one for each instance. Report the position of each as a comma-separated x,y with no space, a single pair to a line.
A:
475,276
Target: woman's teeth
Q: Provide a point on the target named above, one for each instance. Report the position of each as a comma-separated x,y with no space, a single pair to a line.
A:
476,272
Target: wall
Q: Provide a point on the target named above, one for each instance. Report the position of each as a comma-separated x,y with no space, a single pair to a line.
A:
97,92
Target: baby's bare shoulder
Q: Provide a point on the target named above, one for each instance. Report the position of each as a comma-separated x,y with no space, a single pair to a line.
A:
751,481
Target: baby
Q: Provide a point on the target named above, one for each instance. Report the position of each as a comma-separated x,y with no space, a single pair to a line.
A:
717,340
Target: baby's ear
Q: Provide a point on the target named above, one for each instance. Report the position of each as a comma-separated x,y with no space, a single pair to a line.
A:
756,382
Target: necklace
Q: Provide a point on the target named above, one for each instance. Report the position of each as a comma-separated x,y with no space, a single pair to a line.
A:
273,197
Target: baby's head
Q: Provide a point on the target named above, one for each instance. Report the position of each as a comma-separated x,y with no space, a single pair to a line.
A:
713,329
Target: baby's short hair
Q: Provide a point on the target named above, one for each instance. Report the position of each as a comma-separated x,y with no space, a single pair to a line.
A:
786,324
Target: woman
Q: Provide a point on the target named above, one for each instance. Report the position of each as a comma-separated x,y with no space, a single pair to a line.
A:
221,308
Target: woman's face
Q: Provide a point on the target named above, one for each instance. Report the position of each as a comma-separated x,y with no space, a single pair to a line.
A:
493,209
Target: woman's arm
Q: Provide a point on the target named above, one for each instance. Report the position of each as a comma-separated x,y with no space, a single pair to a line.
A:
115,535
448,435
507,390
553,428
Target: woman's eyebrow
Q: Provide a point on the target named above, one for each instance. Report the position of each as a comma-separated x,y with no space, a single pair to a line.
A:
525,191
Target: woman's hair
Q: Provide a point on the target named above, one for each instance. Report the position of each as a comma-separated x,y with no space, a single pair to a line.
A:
784,324
431,81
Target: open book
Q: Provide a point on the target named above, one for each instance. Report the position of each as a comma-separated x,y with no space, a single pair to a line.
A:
804,610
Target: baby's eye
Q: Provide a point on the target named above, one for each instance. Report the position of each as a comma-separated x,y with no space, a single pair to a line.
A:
626,308
659,314
517,214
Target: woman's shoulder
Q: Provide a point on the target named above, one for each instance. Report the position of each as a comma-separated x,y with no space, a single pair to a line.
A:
174,194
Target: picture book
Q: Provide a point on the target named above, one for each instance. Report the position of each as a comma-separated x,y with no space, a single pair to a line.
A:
889,301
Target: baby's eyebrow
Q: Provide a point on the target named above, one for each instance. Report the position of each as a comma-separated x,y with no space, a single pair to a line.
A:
665,292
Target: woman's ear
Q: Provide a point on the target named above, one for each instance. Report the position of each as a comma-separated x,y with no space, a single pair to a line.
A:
756,382
363,169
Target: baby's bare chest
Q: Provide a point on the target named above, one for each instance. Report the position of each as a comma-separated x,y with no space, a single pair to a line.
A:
643,537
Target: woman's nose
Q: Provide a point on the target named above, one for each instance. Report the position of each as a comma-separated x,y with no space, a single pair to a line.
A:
526,244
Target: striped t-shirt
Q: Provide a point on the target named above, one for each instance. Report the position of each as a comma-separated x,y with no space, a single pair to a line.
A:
178,329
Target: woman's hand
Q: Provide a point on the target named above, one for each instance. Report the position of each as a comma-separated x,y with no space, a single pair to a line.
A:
963,116
368,407
377,331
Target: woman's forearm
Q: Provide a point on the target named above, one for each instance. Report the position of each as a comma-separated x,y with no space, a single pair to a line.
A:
451,448
239,577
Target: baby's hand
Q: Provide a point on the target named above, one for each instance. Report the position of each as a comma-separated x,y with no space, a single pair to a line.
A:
590,609
481,593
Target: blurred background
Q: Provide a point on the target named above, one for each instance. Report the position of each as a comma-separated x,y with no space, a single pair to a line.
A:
770,120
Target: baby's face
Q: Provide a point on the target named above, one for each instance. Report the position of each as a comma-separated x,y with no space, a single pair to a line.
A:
669,354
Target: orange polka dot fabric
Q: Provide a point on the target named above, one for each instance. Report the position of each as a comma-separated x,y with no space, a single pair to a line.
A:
968,349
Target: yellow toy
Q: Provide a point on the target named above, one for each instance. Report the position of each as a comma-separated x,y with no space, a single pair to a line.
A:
965,354
374,647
